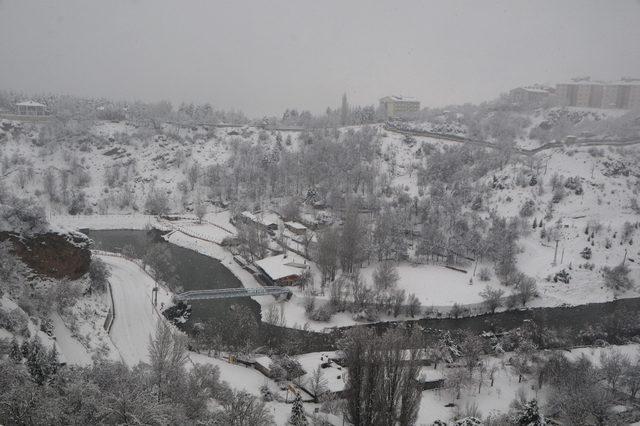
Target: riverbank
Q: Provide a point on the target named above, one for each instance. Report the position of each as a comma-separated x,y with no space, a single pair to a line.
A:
204,239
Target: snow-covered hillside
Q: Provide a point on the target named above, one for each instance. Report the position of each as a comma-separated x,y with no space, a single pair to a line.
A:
121,164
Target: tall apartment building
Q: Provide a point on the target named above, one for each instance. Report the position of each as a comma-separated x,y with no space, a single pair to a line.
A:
622,94
399,106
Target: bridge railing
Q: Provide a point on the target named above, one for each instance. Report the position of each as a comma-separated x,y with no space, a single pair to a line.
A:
226,293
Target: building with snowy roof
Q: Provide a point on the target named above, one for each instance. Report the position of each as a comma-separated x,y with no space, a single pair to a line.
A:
31,108
530,94
399,106
282,269
267,220
296,227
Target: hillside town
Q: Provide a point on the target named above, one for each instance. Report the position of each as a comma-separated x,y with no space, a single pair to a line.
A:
386,259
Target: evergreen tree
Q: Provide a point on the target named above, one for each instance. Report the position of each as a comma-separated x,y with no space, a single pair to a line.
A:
297,412
37,362
53,361
344,111
15,353
528,414
535,223
25,348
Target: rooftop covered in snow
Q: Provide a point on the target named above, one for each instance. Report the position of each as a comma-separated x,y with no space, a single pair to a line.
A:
282,266
30,104
399,98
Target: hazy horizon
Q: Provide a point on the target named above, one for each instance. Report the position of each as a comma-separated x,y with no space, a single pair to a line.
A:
264,57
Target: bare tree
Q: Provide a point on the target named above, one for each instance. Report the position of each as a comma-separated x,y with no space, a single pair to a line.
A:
327,256
351,239
613,365
385,277
157,202
492,298
382,373
200,209
472,347
193,172
397,300
525,288
167,355
631,377
456,379
317,383
244,409
413,305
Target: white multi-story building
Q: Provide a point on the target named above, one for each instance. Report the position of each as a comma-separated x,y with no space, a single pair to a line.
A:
622,94
399,106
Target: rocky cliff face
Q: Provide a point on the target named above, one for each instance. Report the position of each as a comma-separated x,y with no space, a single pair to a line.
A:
53,254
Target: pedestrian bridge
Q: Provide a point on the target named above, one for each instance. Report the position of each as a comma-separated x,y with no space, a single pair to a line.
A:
229,293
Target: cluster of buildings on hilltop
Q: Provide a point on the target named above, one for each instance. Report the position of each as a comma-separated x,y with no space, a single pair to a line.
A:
579,92
585,93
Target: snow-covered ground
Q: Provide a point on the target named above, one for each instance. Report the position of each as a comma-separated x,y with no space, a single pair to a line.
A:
489,399
498,397
104,221
162,161
437,286
66,353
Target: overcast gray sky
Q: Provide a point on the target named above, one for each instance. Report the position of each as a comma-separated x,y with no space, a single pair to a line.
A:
264,56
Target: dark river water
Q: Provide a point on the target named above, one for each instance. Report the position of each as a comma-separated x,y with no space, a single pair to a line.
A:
194,271
613,321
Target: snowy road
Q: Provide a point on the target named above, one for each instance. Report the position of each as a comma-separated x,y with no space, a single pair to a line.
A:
135,318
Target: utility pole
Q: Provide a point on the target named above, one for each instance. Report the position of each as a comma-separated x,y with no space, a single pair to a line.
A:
555,254
625,257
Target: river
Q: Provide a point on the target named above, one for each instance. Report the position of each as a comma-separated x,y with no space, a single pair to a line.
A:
194,271
612,321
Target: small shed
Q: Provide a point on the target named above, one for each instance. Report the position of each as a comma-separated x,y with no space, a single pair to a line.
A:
430,378
263,365
296,227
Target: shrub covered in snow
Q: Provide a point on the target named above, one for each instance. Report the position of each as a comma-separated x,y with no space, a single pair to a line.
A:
98,274
322,313
617,278
15,321
527,209
286,368
562,276
485,274
21,215
157,202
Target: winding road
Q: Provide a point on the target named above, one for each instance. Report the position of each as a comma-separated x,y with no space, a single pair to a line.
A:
524,151
135,320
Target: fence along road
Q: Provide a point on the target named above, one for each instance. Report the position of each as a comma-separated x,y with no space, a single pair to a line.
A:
524,151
